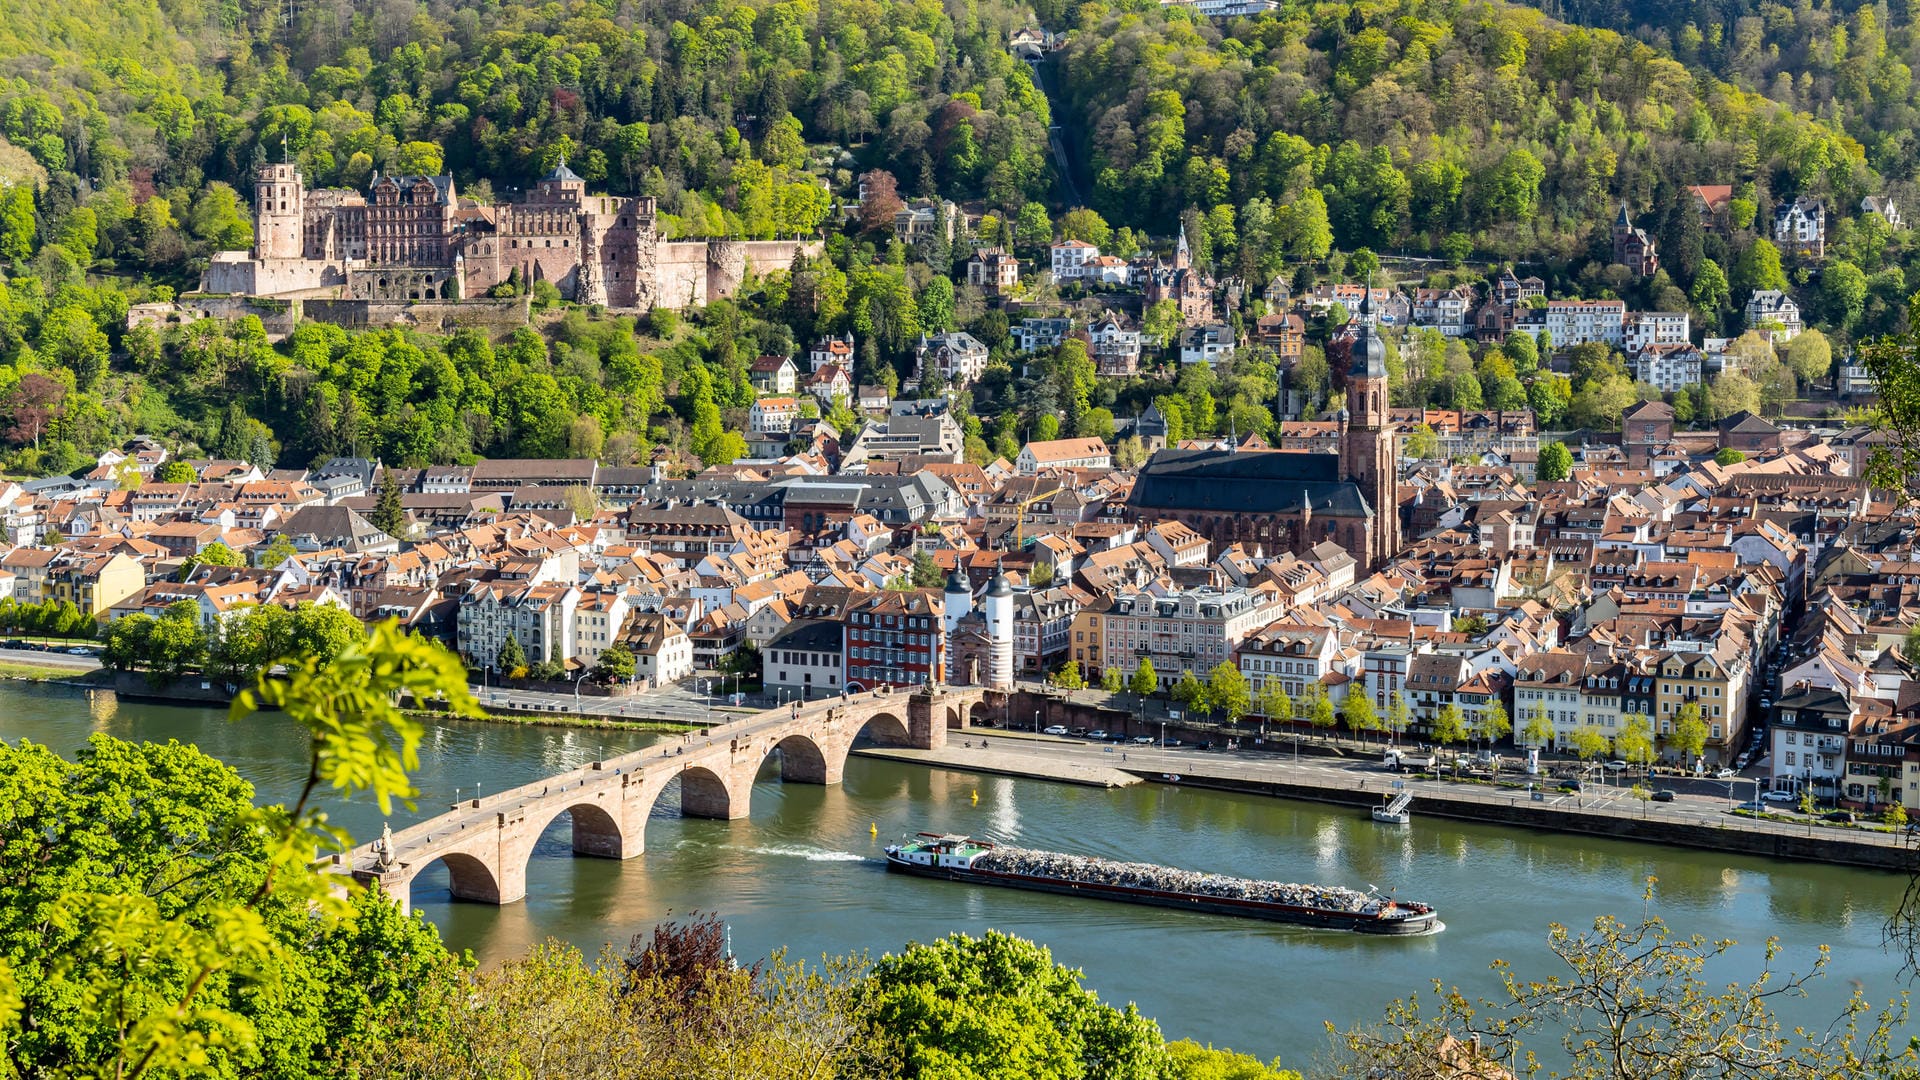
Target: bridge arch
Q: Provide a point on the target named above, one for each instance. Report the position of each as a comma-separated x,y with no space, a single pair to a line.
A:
885,729
705,793
804,761
596,832
469,877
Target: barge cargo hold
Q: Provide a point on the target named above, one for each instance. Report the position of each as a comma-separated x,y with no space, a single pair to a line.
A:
961,858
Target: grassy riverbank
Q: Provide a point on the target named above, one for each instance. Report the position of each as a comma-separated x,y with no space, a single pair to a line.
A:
16,669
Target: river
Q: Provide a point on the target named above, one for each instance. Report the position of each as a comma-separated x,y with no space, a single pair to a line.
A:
804,872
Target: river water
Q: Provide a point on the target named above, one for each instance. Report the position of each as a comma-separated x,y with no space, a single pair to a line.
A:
804,872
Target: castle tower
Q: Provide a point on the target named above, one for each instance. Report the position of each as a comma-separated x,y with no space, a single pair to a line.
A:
563,185
279,212
1367,451
956,603
1182,255
589,286
999,612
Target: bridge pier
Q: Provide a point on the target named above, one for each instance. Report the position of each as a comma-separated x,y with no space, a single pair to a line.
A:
927,718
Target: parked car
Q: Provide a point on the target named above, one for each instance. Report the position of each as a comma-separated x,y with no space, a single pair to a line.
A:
1616,765
1057,729
1725,774
1098,736
1778,796
1143,740
1844,817
1663,795
1752,806
1569,785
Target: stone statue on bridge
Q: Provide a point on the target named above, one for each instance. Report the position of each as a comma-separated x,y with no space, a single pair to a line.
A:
383,850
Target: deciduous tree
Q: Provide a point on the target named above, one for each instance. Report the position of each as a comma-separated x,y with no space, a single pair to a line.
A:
964,1008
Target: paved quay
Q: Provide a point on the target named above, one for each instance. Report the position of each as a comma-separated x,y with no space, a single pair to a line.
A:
1698,818
1008,762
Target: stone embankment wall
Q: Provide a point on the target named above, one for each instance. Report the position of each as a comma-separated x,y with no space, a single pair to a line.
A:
1432,800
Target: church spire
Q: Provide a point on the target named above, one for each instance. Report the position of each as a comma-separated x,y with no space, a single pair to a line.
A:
1182,255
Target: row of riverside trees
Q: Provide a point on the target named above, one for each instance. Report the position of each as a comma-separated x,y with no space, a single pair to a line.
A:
1225,692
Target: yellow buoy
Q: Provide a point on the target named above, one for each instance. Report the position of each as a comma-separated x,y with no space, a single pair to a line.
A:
873,829
976,796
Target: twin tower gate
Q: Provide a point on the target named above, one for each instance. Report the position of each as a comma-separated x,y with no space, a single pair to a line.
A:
486,842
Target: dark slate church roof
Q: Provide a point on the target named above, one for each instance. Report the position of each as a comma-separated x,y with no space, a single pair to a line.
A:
1243,482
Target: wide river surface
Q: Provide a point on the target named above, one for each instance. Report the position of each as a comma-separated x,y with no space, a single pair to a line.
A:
804,872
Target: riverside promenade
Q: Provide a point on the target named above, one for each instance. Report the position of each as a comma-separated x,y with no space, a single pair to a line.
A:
980,755
1691,820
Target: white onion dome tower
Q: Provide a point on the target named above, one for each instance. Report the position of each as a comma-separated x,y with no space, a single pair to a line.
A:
999,613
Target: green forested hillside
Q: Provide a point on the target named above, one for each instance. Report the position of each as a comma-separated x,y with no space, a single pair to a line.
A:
709,106
1469,131
1420,124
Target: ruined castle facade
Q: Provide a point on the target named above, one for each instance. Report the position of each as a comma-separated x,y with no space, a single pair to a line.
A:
411,238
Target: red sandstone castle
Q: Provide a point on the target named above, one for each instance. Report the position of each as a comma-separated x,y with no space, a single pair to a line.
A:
412,238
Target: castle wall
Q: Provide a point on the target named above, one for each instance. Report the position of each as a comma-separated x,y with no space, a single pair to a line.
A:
403,284
434,317
278,317
695,272
242,276
681,272
767,256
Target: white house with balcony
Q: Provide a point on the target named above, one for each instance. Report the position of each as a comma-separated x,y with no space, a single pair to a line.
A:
1071,259
1645,329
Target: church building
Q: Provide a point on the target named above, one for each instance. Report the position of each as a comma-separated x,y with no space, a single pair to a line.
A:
1279,501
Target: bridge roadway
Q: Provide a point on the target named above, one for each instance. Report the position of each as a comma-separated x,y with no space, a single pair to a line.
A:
486,842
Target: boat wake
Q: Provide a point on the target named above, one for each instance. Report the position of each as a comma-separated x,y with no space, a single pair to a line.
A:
794,851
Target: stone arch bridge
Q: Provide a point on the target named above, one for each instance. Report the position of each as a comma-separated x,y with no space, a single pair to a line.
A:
486,842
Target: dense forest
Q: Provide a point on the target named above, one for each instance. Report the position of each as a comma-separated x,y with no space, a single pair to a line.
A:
711,107
1418,123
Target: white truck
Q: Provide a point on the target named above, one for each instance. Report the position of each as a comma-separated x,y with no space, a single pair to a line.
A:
1402,760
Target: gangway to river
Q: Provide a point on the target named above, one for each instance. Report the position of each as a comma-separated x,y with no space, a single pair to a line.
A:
1395,812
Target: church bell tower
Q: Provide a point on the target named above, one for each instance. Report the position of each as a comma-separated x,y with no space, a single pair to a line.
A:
1368,457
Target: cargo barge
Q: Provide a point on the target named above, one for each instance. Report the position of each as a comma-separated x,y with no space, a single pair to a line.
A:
962,858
